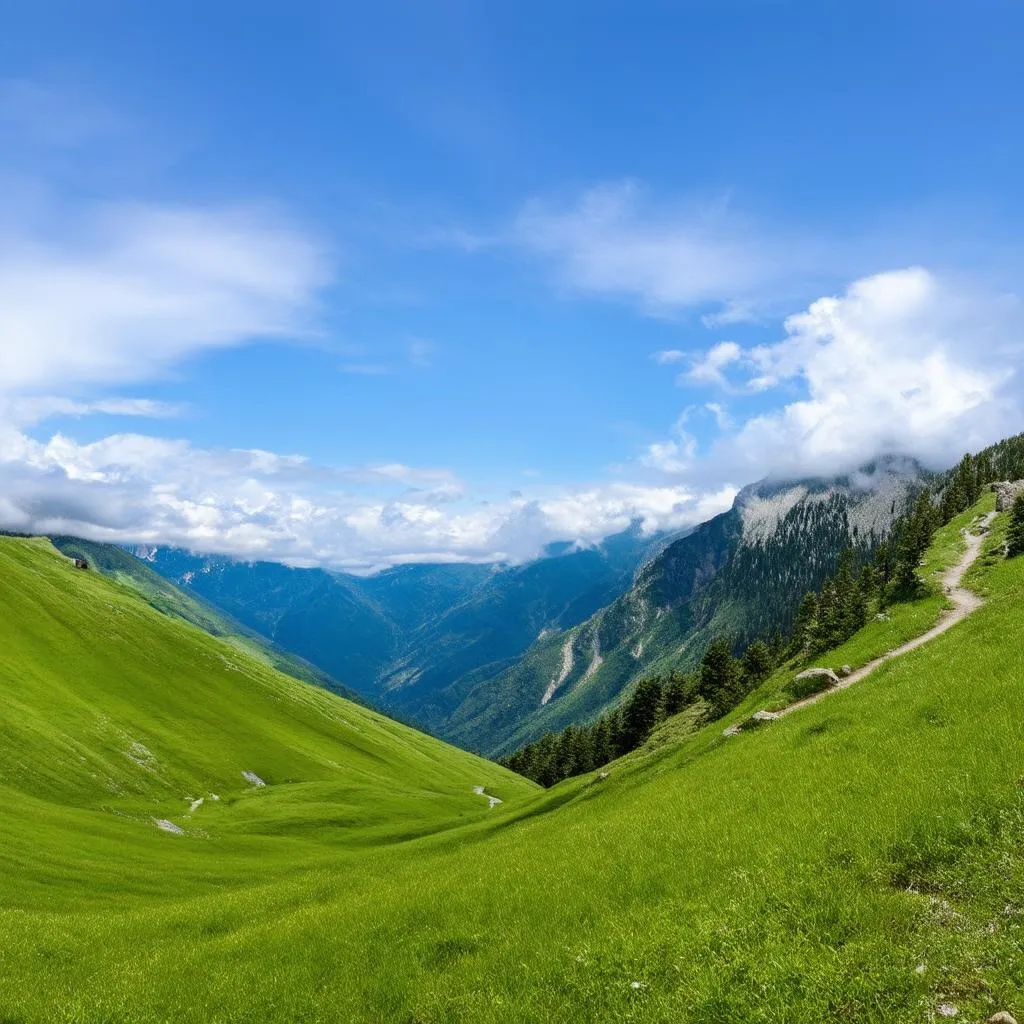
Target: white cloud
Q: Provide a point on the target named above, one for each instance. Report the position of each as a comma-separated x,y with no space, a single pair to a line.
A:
26,410
707,369
904,361
614,242
669,355
129,290
255,504
733,312
720,413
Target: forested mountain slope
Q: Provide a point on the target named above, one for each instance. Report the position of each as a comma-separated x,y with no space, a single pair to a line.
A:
741,574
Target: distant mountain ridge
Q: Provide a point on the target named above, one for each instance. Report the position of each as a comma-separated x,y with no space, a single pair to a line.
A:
415,638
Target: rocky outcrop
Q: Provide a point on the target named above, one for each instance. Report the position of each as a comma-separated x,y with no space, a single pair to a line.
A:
1006,491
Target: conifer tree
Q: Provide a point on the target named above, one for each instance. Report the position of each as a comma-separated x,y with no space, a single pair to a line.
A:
676,694
641,713
915,536
719,677
1015,533
757,663
805,624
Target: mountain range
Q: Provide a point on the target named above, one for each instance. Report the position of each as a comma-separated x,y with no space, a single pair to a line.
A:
492,656
415,638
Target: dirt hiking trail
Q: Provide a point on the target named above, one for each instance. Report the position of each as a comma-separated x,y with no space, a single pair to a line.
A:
964,602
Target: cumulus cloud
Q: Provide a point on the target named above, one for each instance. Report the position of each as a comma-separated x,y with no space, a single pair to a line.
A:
904,361
708,368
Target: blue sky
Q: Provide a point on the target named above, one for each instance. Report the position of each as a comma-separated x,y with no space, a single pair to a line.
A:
431,281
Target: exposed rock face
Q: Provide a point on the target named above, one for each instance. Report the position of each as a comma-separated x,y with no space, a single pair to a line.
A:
1006,491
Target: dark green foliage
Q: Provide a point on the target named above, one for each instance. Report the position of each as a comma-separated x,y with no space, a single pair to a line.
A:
721,682
913,535
720,678
828,618
757,662
1015,533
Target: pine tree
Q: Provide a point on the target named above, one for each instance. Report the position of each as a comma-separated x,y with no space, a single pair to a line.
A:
641,713
757,663
806,621
677,694
604,751
915,536
1015,533
719,677
883,566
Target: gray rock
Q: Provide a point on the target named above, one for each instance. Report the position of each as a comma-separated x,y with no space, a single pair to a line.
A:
1006,491
1002,1017
758,718
814,673
846,670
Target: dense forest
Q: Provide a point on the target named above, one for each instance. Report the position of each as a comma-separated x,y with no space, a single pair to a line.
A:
868,576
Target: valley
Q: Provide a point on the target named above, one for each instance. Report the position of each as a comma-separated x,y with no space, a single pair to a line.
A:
703,882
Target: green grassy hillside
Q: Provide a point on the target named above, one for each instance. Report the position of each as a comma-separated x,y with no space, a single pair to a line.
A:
860,860
165,596
115,716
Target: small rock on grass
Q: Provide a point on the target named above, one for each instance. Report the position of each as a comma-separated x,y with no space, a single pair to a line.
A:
818,673
1002,1017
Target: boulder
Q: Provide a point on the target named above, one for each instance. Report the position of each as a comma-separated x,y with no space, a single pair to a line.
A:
1002,1017
811,681
1006,491
846,670
819,673
758,718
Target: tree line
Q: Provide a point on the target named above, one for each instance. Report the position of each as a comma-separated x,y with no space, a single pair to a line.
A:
866,577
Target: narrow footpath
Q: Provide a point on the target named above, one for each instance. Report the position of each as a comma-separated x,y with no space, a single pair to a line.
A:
964,602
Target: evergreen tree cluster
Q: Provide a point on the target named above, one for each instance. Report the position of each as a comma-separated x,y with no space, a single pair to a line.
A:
721,682
827,618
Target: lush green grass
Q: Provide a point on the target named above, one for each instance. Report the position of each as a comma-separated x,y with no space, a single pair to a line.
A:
861,860
163,595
